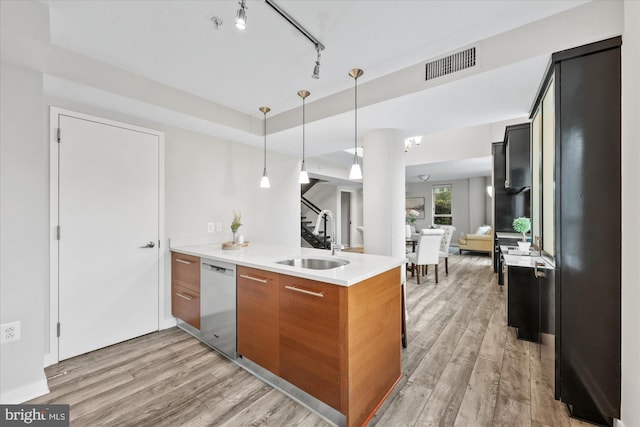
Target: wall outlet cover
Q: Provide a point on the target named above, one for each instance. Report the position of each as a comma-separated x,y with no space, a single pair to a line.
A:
211,227
9,332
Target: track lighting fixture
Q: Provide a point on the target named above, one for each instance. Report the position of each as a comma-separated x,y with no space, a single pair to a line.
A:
291,20
356,172
316,68
304,176
241,16
264,182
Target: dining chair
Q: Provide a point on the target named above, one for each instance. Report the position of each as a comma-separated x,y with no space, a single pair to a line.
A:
427,252
445,243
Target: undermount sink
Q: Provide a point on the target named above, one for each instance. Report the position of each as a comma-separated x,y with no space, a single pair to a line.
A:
314,263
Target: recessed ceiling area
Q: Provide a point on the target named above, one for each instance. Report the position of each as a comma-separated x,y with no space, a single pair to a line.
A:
176,44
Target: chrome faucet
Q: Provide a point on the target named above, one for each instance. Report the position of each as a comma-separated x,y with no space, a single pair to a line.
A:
334,244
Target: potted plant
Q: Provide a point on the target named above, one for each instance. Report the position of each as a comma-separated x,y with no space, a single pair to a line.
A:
523,225
235,224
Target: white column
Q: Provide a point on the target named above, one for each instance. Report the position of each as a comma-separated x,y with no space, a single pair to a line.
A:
384,192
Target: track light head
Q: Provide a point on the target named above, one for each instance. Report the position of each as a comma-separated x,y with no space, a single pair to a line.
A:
316,68
241,16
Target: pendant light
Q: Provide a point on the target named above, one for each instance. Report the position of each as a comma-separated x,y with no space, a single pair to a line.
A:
304,176
356,172
264,182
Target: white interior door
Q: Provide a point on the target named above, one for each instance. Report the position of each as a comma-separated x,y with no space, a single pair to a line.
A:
108,213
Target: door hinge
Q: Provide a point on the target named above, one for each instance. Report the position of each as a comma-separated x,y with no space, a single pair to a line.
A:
158,244
58,329
58,135
57,232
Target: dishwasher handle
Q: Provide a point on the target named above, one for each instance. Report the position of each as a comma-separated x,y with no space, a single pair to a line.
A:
216,269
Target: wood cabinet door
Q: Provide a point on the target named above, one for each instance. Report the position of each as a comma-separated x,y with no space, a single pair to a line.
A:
185,271
185,305
311,330
185,288
258,317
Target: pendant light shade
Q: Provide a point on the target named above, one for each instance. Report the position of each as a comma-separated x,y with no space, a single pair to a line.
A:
356,172
264,182
304,176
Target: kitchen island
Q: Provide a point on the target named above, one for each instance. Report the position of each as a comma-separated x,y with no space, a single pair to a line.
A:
329,338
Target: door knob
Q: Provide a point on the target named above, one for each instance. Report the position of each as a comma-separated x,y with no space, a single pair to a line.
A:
149,245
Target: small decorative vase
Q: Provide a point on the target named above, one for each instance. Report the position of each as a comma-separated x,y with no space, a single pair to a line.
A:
524,246
235,237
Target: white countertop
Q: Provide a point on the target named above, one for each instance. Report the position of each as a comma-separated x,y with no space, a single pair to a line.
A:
262,256
514,259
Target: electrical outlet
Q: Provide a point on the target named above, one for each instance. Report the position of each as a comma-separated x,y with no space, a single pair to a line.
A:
218,227
211,227
10,332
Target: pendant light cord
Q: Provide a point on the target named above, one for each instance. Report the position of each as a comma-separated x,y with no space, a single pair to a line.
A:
303,121
355,138
265,141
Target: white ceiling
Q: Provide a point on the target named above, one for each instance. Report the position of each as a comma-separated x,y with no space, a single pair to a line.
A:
175,43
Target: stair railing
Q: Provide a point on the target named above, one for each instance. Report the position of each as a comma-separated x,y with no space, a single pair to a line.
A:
317,210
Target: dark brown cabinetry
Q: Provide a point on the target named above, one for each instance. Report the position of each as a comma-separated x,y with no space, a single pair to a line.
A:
258,317
529,301
507,204
523,303
185,288
586,215
517,157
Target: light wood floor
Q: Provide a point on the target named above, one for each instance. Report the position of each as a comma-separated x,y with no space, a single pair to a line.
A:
463,367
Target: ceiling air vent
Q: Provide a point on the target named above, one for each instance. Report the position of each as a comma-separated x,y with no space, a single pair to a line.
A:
450,64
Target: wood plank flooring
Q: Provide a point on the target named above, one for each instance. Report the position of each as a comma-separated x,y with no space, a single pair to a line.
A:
463,367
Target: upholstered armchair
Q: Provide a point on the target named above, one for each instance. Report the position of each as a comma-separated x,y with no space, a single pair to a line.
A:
480,241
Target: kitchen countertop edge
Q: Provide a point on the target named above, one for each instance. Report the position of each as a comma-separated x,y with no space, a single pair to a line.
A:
264,257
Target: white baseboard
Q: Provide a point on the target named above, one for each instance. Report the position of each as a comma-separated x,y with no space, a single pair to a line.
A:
25,392
167,323
50,359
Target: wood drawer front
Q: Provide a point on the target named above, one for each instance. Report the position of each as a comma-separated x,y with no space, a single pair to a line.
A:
185,271
258,337
310,336
185,305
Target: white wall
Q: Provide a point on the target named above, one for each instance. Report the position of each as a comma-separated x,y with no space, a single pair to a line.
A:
477,202
630,209
468,204
24,219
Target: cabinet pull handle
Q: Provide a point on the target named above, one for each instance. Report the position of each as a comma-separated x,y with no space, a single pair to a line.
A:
181,295
255,279
539,273
304,291
182,261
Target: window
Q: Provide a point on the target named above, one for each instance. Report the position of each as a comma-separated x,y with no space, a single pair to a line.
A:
442,205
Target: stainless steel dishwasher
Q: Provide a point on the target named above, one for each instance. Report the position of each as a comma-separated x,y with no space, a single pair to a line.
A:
218,306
